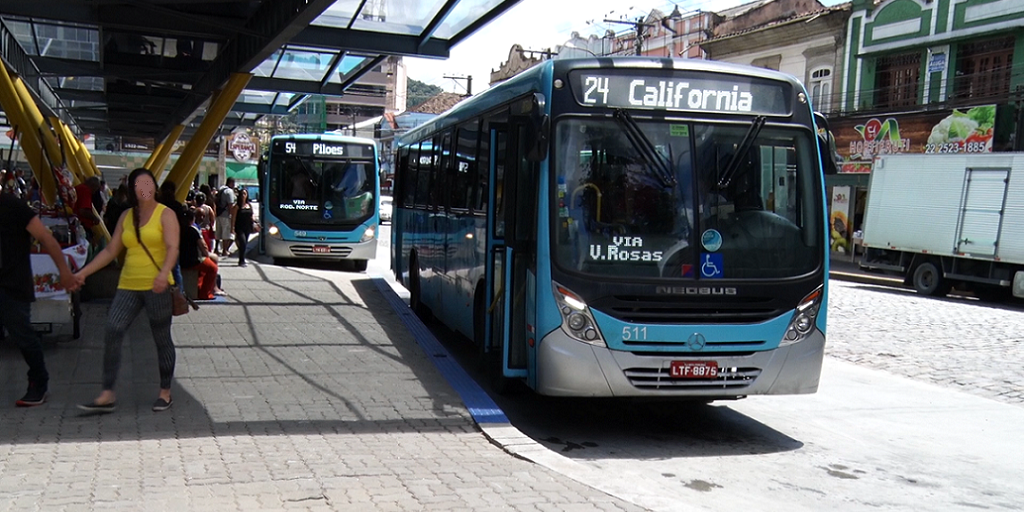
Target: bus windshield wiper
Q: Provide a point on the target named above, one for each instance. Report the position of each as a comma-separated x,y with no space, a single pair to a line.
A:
658,163
741,149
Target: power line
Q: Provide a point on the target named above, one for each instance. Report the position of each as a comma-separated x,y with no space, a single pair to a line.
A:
468,79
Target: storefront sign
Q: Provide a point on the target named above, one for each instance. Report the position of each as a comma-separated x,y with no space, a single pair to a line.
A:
937,63
243,147
860,139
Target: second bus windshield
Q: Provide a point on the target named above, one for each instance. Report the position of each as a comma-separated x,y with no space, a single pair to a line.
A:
660,200
315,191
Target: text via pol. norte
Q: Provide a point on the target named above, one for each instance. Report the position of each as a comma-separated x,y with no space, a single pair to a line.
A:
299,204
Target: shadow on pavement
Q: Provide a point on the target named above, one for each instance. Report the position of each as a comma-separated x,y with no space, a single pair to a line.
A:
288,354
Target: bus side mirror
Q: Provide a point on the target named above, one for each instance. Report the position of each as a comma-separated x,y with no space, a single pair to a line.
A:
826,145
538,143
539,129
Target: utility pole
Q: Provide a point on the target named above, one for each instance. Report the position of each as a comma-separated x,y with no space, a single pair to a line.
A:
545,54
638,26
469,82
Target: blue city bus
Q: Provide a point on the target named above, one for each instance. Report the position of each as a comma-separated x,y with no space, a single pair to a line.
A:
625,227
319,197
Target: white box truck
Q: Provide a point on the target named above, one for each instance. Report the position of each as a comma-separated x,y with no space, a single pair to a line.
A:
947,220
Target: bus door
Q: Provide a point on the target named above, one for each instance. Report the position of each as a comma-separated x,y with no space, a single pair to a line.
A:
511,248
264,204
440,225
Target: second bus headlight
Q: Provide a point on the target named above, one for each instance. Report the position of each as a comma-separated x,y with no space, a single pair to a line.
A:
369,233
273,231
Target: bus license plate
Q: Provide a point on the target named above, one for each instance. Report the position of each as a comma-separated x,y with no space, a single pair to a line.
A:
321,249
694,370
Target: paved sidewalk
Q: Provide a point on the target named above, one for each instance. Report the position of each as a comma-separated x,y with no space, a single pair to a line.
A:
297,393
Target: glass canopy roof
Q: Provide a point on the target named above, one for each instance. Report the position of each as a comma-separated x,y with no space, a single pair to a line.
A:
162,59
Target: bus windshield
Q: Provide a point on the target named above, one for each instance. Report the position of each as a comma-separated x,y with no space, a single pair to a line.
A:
730,208
308,190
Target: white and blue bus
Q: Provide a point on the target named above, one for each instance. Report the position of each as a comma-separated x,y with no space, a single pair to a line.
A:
625,227
319,197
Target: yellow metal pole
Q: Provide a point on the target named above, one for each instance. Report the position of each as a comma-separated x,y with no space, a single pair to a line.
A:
36,119
184,169
152,156
163,153
70,145
28,136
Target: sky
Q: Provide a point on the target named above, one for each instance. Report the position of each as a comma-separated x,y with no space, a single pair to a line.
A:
539,25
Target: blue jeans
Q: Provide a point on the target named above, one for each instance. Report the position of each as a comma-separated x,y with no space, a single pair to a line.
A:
16,316
178,280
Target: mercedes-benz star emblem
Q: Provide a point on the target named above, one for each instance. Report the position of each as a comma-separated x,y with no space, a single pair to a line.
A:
696,341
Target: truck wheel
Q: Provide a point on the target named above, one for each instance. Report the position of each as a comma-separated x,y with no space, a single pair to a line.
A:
928,280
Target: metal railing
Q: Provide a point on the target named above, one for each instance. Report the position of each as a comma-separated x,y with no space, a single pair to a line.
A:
19,62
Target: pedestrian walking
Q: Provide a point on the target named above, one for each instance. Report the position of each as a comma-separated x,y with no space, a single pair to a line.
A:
244,222
18,224
150,233
225,213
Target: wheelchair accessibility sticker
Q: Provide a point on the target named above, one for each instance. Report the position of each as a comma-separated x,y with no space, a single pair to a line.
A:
711,265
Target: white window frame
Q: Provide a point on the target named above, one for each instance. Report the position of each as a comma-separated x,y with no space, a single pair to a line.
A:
820,88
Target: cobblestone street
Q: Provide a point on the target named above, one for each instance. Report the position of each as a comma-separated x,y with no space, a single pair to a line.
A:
956,342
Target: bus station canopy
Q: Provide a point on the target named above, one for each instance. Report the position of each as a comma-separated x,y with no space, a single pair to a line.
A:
141,67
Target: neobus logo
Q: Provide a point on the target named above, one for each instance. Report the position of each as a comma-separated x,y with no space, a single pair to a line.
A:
695,290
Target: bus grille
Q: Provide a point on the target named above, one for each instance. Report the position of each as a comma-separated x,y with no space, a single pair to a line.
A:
305,250
678,310
659,378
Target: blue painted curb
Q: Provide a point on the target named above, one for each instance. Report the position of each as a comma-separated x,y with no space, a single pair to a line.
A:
480,405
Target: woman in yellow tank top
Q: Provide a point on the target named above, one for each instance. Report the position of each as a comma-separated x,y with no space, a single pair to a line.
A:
147,226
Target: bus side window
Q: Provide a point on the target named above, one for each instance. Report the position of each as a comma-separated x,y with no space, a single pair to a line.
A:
438,183
464,171
422,188
401,176
483,170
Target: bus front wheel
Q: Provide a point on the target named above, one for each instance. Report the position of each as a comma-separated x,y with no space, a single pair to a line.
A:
359,265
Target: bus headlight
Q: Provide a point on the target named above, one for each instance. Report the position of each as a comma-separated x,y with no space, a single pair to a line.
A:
273,231
803,319
577,321
369,234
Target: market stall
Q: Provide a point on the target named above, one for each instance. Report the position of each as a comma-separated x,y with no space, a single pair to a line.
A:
54,305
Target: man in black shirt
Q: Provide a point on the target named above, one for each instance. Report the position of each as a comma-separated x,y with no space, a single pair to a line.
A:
17,289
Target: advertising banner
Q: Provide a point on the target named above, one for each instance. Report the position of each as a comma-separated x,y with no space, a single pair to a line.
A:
839,219
860,139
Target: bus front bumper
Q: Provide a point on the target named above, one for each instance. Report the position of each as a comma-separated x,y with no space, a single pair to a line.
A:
566,367
321,250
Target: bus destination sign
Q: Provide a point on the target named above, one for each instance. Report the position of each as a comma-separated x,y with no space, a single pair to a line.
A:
728,94
322,149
